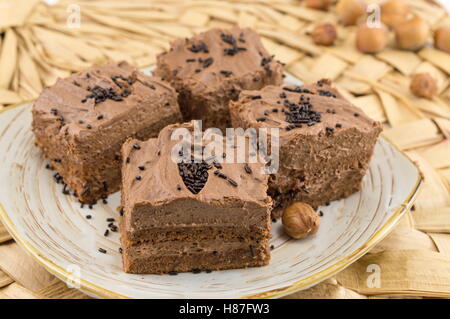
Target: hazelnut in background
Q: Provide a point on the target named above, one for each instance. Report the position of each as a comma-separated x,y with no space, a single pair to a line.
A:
423,85
371,39
394,12
350,11
442,39
300,220
318,4
412,34
324,34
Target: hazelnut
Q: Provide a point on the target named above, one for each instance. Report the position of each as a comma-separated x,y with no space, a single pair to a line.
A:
324,34
300,220
423,85
371,40
442,39
393,12
349,11
318,4
412,34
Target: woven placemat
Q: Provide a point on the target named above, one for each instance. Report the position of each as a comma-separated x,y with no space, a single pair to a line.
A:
40,43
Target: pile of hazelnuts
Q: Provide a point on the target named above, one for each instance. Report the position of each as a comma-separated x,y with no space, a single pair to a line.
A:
411,32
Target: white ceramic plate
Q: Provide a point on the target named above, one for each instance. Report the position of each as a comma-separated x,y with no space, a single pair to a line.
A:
53,229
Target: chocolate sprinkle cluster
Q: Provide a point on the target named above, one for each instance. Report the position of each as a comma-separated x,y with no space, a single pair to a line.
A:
326,93
297,89
200,47
194,175
100,94
265,63
229,39
301,112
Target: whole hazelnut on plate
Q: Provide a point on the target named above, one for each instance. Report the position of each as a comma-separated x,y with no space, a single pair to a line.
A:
300,220
423,85
412,34
371,39
349,11
393,12
324,34
318,4
442,39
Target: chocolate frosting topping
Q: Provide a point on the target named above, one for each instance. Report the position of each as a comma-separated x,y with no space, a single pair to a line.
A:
312,109
166,181
211,57
98,97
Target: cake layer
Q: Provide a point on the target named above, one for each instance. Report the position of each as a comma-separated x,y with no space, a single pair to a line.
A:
211,68
179,212
205,255
81,122
329,189
190,233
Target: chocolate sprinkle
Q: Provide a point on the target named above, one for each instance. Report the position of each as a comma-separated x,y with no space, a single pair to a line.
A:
232,182
226,73
103,251
208,62
247,169
220,174
329,131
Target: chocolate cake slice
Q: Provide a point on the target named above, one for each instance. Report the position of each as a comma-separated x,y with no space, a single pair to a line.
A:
191,215
211,68
325,142
81,122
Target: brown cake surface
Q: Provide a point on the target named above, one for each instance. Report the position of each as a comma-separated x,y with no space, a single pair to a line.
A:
211,68
81,122
325,142
183,216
